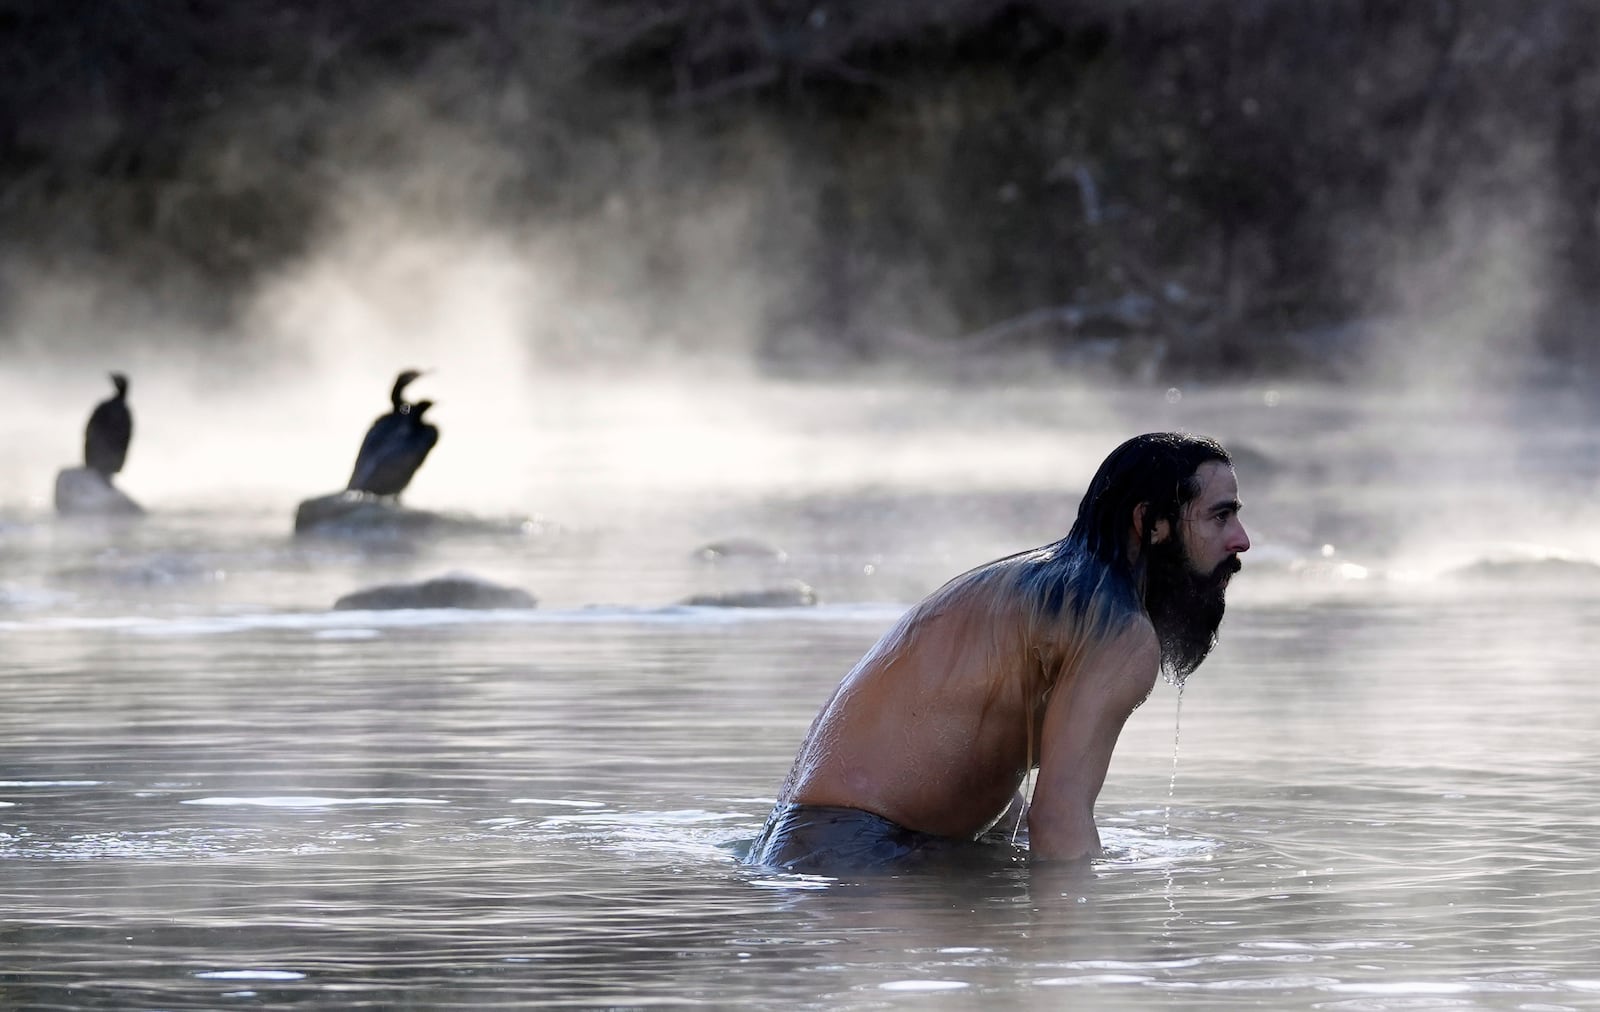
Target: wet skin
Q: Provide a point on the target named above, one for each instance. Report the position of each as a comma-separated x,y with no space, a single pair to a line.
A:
932,728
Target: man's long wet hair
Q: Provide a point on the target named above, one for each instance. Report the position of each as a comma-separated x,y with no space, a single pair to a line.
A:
1092,576
1089,585
1158,468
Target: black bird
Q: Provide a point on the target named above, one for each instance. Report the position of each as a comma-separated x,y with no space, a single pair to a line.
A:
387,467
105,439
384,428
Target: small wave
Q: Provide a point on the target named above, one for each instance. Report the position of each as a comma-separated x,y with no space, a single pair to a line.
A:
359,624
153,571
307,801
1146,846
923,986
51,783
1563,568
1330,570
1326,564
794,881
24,598
695,834
558,802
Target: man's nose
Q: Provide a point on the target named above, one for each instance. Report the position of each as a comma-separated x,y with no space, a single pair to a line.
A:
1240,542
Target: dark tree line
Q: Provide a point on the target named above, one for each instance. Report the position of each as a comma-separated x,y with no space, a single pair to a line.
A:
1220,177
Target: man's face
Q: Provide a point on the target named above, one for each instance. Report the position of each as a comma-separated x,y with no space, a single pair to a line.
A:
1210,530
1189,570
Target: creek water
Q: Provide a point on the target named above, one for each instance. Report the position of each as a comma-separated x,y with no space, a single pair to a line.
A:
216,791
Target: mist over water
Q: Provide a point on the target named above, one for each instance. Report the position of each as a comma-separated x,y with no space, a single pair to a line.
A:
550,398
570,383
634,347
215,787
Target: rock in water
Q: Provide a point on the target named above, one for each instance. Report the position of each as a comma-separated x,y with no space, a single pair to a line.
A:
352,514
453,591
84,492
753,549
364,515
790,594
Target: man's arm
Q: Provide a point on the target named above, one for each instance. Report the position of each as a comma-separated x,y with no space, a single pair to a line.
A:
1081,725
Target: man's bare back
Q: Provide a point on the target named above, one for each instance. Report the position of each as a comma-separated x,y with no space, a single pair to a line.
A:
937,726
1035,660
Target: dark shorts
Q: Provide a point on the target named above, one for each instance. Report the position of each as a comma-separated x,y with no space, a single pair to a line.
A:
829,838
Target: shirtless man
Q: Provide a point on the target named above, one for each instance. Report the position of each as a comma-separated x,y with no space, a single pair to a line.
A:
1034,660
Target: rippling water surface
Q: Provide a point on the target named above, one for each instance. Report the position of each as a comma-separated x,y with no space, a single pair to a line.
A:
1378,793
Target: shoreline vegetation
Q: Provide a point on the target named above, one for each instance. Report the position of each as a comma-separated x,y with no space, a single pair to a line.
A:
1214,187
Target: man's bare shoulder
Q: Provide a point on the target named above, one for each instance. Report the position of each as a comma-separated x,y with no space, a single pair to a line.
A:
1136,636
1117,665
1127,662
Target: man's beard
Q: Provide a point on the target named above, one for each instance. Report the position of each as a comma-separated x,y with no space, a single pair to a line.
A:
1185,606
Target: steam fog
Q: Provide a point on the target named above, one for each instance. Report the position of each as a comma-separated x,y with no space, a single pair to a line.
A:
647,372
567,380
572,384
832,301
589,363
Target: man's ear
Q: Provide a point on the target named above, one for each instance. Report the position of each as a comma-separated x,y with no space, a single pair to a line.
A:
1158,534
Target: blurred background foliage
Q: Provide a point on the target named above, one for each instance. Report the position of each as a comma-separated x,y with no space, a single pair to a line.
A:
1222,186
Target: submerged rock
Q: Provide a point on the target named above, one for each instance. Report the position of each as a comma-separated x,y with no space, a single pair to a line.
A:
790,594
740,548
166,569
453,591
1557,568
84,492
